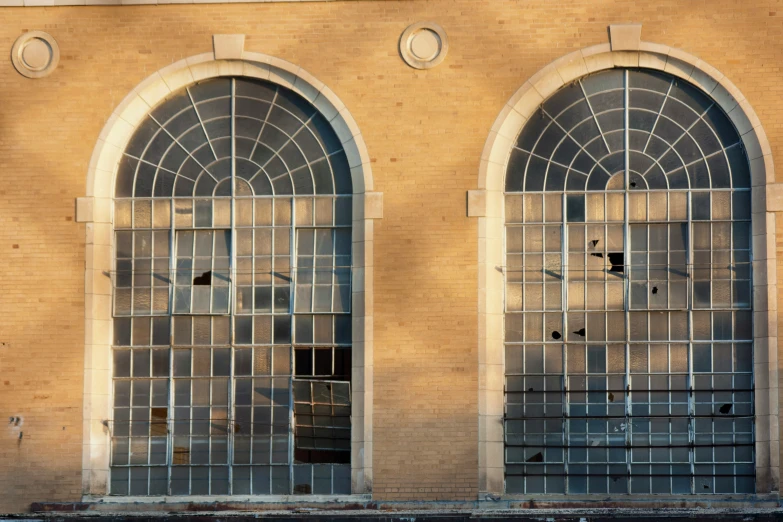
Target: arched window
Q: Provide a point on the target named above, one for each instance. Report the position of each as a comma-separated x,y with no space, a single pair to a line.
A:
232,296
628,321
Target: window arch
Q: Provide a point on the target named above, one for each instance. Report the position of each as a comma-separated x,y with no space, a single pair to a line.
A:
232,297
628,307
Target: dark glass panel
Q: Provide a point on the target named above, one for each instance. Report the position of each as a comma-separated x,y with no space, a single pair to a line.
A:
738,160
322,130
515,172
549,140
555,178
342,178
586,132
680,113
126,173
284,121
566,151
603,81
650,80
254,89
574,115
210,89
535,174
562,99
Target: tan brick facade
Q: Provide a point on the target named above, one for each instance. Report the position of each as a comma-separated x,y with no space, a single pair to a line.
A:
425,131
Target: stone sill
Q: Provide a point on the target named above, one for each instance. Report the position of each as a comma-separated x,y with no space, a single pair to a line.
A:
651,508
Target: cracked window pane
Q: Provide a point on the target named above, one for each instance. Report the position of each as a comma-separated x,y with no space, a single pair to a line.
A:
213,191
655,250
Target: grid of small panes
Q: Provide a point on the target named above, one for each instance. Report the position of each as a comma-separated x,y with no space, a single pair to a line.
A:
232,298
628,321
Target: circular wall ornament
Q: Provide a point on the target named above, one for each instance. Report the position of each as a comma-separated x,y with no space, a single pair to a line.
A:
423,45
35,54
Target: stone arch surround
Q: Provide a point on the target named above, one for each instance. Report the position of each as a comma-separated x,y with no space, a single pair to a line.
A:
96,210
487,203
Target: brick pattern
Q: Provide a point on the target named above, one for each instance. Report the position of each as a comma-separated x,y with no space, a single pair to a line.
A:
424,130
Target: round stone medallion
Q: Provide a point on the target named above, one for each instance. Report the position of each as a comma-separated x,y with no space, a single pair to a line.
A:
423,45
35,54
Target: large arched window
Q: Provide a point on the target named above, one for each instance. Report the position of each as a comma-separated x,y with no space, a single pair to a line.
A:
628,324
232,296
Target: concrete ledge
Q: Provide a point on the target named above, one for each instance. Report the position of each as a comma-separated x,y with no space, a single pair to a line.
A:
517,510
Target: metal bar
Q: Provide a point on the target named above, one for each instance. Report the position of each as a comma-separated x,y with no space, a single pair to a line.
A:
232,263
627,276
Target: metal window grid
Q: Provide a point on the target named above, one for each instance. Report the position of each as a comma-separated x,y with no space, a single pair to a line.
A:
203,393
628,320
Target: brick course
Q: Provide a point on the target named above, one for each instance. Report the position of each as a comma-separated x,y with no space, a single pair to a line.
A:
424,130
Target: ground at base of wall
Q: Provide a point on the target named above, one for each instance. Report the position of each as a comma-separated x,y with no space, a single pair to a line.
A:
387,513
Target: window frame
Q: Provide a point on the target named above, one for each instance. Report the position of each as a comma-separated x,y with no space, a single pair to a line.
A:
99,249
487,204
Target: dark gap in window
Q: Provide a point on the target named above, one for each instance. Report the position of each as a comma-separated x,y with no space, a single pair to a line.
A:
655,290
598,254
303,361
594,242
321,456
538,457
158,421
725,409
530,389
611,397
342,364
617,260
303,489
323,361
204,279
581,332
556,335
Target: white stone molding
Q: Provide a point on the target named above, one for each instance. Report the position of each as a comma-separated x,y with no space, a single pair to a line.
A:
96,209
228,46
491,180
424,45
35,54
625,37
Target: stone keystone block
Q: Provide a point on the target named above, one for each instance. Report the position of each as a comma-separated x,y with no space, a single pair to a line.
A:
625,37
228,46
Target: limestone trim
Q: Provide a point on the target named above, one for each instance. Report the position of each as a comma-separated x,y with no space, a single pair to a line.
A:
96,210
492,170
625,37
435,45
35,54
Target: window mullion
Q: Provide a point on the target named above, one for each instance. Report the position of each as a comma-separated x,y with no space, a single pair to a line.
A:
626,278
689,305
566,423
292,253
232,283
170,398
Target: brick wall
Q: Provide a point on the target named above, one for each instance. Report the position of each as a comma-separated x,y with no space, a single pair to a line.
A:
425,131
